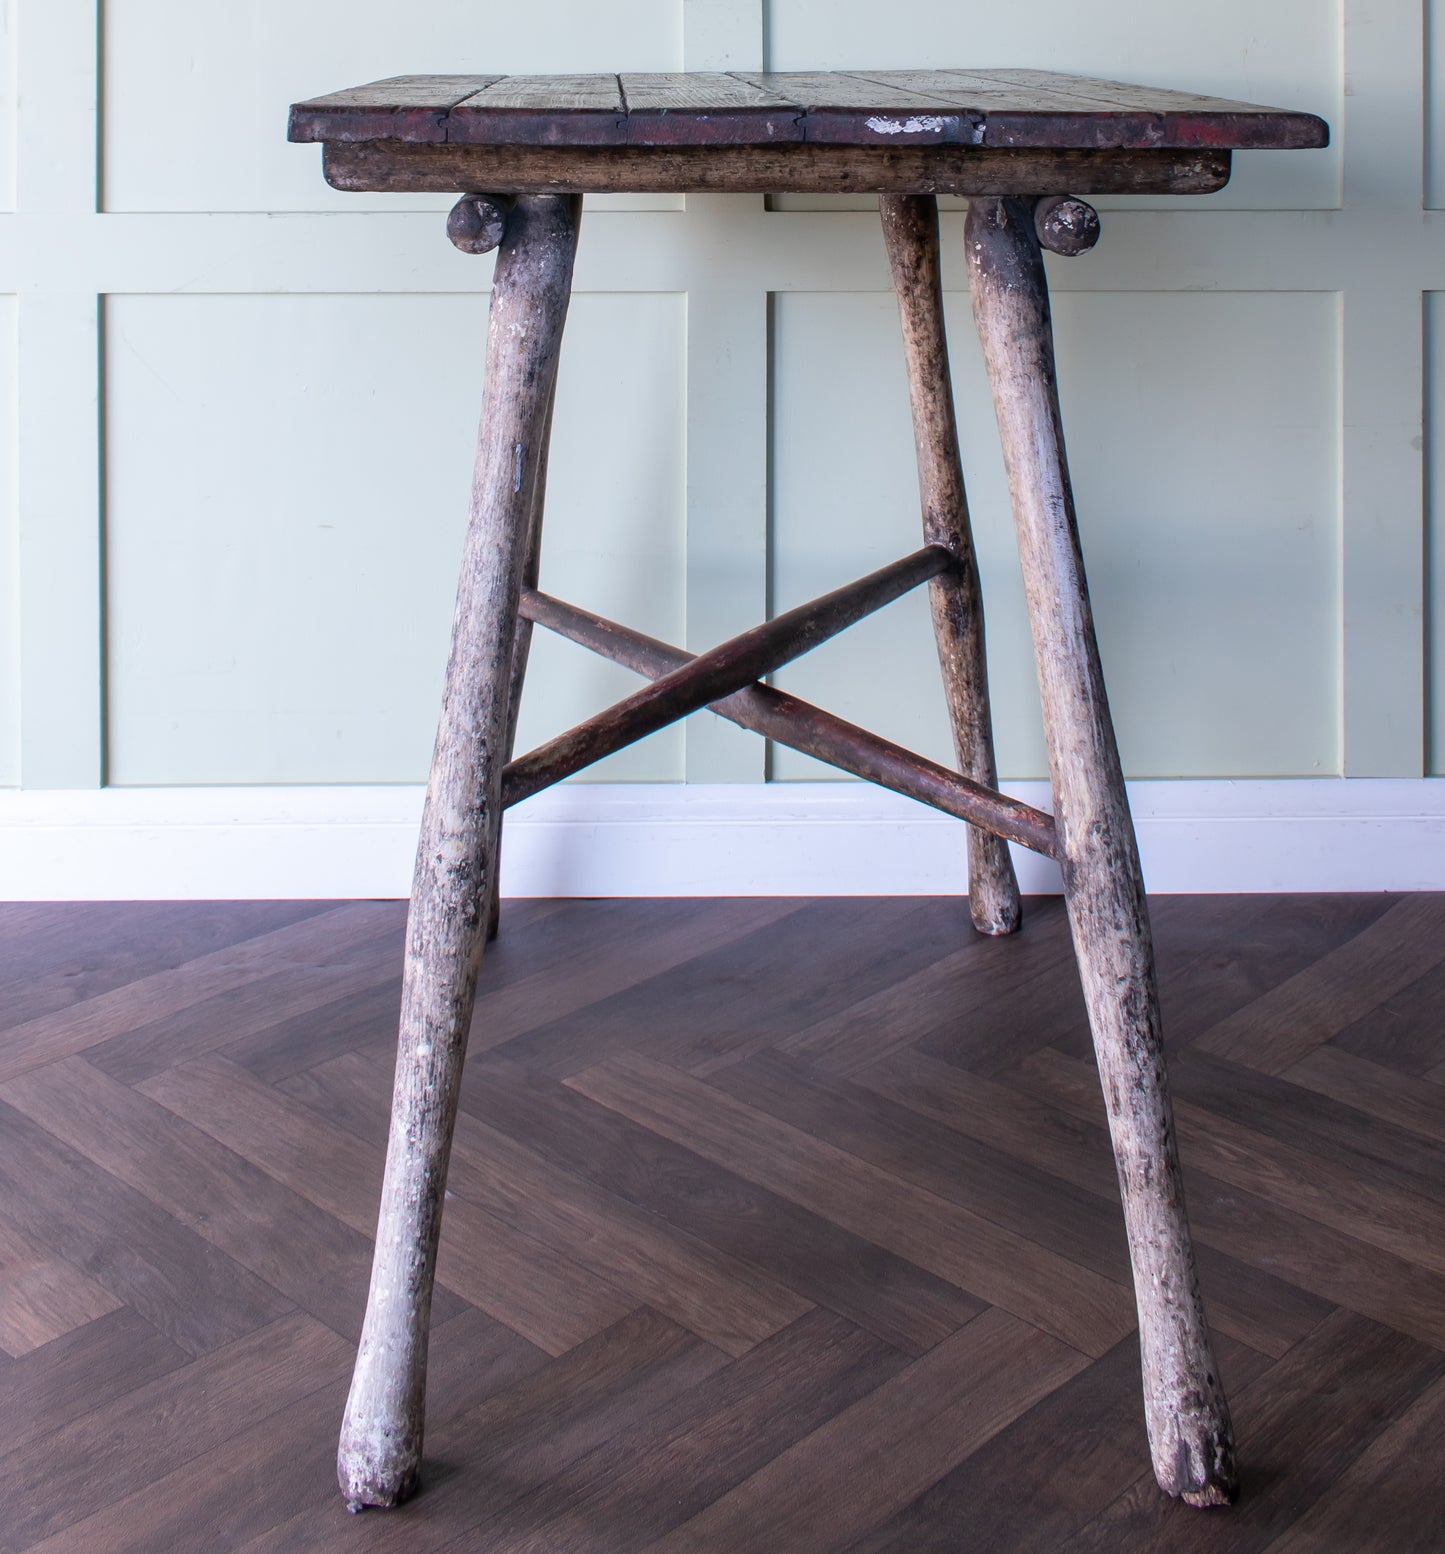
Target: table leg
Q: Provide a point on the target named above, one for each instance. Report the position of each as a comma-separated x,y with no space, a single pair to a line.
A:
910,228
381,1436
521,647
1189,1426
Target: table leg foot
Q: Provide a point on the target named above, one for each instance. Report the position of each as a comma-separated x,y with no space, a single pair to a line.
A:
1190,1435
910,230
381,1439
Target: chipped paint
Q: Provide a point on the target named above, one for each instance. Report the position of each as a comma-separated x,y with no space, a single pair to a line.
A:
922,124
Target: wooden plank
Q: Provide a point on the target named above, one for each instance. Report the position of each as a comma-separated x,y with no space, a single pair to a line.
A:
111,1451
41,1295
313,942
228,1201
1245,1301
843,108
728,1303
1371,1088
1275,1031
196,1295
1371,1151
873,1458
665,1467
1292,1448
566,110
903,1304
817,959
245,1012
401,107
705,107
82,1371
1081,1308
55,955
1404,1032
1340,1266
1383,1502
283,1465
526,1434
537,1293
395,166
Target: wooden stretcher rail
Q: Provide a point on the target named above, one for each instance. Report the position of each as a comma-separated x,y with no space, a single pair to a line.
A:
795,723
718,673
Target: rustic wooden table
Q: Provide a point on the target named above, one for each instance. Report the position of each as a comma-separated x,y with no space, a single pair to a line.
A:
522,151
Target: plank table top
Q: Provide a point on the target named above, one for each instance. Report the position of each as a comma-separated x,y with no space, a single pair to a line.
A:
984,108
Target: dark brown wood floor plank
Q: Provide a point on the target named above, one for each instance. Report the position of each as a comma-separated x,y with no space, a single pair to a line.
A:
729,1303
667,1466
903,1304
525,1283
1340,1267
1305,1183
1404,944
1216,954
1404,1031
1388,1501
367,1017
284,1465
226,1199
867,1462
314,941
57,954
817,957
82,1371
1051,1471
1299,1426
488,1457
1004,1269
112,1451
1244,1301
41,1295
1373,1152
583,959
1379,1092
1048,1209
951,995
305,988
191,1291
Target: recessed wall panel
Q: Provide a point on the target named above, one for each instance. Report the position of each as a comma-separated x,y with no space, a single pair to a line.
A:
1435,534
286,494
196,96
8,124
1203,431
9,557
1287,53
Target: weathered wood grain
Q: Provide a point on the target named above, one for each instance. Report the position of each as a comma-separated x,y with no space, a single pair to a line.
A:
1010,108
380,1452
789,721
41,1295
1084,1310
955,598
397,166
1187,1416
912,1429
717,673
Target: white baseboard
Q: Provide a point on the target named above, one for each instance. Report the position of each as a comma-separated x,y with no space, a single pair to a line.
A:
807,839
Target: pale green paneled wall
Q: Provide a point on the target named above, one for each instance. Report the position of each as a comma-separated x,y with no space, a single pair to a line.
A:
1210,520
242,437
9,557
280,565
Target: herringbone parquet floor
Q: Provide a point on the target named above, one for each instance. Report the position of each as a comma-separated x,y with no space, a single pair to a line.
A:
774,1225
